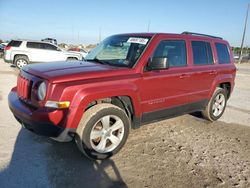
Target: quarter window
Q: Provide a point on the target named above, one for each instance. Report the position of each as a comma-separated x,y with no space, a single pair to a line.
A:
14,43
223,53
174,51
49,47
202,53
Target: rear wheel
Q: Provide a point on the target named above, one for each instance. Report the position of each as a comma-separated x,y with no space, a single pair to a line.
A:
21,61
103,131
216,106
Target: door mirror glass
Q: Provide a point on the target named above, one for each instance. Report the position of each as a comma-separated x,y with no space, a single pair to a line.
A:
157,63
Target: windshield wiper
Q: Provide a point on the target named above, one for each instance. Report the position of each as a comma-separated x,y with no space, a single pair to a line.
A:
97,60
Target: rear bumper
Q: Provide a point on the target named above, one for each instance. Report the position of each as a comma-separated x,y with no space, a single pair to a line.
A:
7,61
6,58
42,121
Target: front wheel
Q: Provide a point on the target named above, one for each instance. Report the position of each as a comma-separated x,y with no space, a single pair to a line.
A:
72,59
103,131
216,106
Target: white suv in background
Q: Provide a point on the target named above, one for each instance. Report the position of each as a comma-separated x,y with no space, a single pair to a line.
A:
23,52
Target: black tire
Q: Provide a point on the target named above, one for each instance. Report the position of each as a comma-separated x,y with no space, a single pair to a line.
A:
21,58
89,120
208,112
72,59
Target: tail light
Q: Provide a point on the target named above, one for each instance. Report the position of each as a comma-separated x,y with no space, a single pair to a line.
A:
7,48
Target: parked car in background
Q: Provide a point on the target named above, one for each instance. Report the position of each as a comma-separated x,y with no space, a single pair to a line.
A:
245,57
79,50
50,40
236,57
126,81
2,46
23,52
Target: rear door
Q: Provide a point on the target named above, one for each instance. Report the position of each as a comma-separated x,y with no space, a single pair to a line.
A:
37,52
168,88
203,70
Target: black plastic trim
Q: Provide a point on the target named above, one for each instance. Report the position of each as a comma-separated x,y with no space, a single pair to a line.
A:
173,112
42,128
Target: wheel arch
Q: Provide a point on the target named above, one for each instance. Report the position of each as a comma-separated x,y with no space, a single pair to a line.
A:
227,87
126,99
225,82
16,55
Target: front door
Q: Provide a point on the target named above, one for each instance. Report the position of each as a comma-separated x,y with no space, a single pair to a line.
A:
166,89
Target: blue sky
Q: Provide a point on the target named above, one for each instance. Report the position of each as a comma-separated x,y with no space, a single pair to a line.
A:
79,21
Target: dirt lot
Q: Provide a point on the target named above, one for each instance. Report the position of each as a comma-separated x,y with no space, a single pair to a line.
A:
182,152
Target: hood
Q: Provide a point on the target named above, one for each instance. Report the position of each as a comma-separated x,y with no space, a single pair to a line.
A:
70,70
71,53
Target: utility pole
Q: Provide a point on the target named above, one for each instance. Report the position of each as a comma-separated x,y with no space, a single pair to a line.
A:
243,37
149,22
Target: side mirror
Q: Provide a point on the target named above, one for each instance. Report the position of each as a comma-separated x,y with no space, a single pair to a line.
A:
157,63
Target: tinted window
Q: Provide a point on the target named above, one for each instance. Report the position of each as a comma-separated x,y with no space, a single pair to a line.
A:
49,47
223,53
36,45
14,43
202,53
174,51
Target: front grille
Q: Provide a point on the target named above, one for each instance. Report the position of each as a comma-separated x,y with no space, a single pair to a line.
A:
22,87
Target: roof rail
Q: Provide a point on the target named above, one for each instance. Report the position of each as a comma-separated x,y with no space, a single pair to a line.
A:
199,34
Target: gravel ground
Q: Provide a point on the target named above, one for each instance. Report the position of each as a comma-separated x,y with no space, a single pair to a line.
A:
181,152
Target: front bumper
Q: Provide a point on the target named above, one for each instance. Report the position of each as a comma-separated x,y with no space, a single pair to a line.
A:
42,121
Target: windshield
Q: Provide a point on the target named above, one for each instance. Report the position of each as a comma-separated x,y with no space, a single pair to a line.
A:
119,50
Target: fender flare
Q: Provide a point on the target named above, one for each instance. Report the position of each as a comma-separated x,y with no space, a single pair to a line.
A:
85,96
222,79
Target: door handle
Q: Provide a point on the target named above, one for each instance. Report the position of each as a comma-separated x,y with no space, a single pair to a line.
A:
213,72
184,76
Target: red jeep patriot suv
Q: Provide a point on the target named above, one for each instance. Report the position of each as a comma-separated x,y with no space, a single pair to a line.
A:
126,81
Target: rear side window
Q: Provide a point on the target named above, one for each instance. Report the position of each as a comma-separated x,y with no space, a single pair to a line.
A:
174,51
202,53
223,53
15,43
36,45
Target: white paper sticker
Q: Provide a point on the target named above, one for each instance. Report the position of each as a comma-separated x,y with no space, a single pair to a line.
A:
137,40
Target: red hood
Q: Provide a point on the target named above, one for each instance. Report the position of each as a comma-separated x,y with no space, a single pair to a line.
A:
71,71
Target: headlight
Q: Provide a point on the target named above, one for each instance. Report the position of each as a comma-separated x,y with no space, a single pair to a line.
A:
41,92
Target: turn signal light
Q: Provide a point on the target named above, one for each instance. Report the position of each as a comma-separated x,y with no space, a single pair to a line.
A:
56,104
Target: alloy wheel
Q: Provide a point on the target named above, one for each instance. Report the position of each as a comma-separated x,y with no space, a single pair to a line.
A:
21,63
107,134
219,104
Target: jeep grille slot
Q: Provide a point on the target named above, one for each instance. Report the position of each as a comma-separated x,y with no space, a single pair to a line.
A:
23,87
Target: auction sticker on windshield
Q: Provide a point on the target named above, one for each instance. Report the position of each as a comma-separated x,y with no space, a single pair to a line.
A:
137,40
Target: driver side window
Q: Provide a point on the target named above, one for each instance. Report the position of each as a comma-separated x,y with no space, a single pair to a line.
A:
174,51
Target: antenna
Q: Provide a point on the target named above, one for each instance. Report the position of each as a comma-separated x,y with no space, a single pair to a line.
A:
149,22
